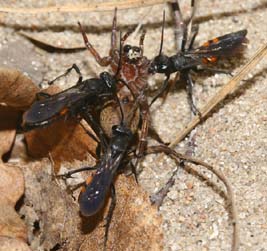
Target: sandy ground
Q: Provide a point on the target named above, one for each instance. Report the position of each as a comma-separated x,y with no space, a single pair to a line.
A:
233,137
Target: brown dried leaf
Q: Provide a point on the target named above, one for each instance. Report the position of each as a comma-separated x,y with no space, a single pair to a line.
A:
52,207
11,189
11,224
11,184
16,90
135,224
63,140
12,244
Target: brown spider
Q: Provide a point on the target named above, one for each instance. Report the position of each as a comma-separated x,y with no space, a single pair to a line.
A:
133,71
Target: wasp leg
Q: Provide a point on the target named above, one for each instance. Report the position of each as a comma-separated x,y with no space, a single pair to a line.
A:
73,67
82,169
189,88
161,90
189,22
109,215
97,129
180,25
158,197
42,95
90,134
214,70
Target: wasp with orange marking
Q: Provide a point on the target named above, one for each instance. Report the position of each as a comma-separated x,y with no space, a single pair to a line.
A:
193,59
93,195
70,102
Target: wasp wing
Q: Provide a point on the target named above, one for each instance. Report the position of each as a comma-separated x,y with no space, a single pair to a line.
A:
93,196
223,46
43,112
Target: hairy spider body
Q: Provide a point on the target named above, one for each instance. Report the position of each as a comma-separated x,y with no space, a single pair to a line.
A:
133,71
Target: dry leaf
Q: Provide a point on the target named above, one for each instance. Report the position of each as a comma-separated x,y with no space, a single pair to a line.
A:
63,140
12,244
135,224
11,224
11,184
49,211
16,90
110,114
11,188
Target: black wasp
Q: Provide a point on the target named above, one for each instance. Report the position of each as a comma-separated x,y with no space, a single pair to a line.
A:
93,195
71,102
189,58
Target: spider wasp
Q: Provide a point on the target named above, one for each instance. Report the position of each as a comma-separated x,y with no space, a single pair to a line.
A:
188,58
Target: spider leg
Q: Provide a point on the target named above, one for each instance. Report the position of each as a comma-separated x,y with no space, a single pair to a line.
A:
141,42
102,61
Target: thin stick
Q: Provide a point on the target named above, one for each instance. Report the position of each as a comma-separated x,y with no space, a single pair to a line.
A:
98,7
221,95
177,156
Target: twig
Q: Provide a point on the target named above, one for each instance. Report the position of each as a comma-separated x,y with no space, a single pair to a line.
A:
97,7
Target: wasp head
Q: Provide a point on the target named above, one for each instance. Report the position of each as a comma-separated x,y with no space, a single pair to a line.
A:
121,137
159,64
108,79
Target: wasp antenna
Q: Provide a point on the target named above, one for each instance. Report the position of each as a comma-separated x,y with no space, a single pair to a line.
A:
162,33
121,111
117,73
